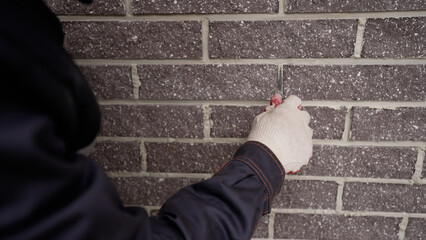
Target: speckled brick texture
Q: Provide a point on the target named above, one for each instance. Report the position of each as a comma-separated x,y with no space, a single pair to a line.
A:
118,156
400,124
395,38
98,7
307,194
282,39
335,227
138,191
109,82
235,121
232,121
327,123
424,168
356,82
204,6
188,157
180,82
207,81
127,40
152,121
310,6
362,162
384,197
416,229
261,230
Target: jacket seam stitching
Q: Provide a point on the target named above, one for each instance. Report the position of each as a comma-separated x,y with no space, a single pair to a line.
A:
272,156
275,160
257,173
261,172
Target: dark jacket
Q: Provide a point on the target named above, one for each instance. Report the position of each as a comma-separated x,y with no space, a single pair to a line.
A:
47,191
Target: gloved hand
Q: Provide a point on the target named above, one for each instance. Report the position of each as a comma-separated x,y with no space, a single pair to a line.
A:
284,129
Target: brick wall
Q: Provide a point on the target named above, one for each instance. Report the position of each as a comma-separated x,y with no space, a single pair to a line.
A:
179,83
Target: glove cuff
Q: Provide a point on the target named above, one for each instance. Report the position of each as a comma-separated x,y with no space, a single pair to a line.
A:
264,134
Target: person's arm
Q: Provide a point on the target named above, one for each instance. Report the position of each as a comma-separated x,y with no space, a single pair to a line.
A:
228,205
48,194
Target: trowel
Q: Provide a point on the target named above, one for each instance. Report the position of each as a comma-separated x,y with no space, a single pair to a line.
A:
277,99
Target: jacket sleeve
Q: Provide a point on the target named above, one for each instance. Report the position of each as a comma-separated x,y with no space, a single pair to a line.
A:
47,191
49,194
228,205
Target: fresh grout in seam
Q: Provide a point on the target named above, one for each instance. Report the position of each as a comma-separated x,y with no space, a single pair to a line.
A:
419,144
205,39
338,180
359,38
276,61
248,16
348,213
254,103
339,196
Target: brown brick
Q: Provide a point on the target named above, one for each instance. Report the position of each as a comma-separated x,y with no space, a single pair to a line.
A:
358,161
234,82
127,40
283,39
424,167
233,121
149,191
188,157
356,82
395,38
384,197
307,194
261,229
98,7
152,121
400,124
327,123
416,229
204,6
309,6
109,82
118,156
335,227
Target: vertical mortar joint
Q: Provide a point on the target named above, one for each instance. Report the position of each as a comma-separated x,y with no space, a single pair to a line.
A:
143,155
149,208
348,124
339,196
280,81
281,6
271,224
127,6
402,227
418,166
206,120
135,81
205,39
359,38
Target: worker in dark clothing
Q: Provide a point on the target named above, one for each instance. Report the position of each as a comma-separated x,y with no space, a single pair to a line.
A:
49,191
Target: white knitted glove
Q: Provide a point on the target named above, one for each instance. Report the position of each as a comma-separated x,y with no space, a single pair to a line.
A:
285,131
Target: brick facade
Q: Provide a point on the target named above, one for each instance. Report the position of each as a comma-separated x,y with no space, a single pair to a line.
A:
179,83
